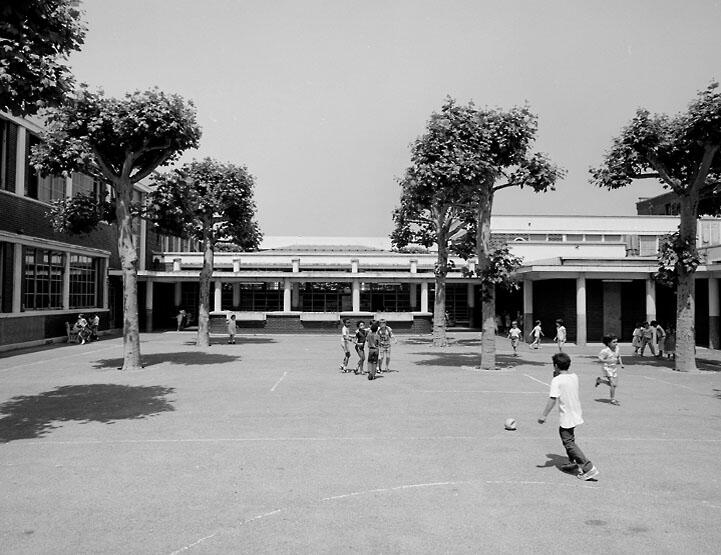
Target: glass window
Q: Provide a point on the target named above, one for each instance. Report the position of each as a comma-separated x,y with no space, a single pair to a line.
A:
612,238
46,189
83,281
8,147
574,237
42,279
592,237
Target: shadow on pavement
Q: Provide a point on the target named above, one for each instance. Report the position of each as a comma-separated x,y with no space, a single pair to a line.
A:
474,359
33,416
188,358
555,461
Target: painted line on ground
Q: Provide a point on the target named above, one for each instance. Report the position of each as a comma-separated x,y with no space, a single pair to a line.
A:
537,380
474,391
279,380
503,437
673,384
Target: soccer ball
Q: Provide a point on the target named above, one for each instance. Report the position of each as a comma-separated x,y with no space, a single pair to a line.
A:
510,424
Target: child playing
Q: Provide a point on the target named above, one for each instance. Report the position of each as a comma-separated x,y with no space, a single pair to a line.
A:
669,344
610,356
231,329
360,345
514,334
373,340
637,335
536,334
345,342
647,335
385,334
560,338
564,389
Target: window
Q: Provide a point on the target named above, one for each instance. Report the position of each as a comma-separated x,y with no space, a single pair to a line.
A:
324,296
612,238
593,237
85,185
647,245
83,280
574,237
42,279
256,296
46,189
8,154
385,297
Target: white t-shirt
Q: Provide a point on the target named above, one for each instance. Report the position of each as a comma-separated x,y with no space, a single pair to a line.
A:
561,333
609,357
564,387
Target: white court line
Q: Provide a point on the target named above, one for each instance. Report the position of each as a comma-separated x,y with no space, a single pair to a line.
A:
674,384
46,361
337,438
535,380
474,391
280,380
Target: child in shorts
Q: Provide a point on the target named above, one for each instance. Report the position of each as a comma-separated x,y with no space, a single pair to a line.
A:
385,334
560,338
345,342
360,345
637,336
564,391
231,329
373,342
536,334
514,334
610,356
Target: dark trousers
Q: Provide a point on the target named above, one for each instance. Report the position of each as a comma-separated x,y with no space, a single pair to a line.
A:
575,455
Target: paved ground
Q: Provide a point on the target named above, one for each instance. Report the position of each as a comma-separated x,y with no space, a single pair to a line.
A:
264,447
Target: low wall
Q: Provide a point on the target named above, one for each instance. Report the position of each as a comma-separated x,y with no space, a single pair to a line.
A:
29,329
292,322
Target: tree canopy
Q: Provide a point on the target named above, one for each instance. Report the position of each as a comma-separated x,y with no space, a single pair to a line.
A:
680,151
36,37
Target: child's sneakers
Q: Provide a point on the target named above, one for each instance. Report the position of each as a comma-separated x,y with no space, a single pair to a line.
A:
592,473
615,402
570,467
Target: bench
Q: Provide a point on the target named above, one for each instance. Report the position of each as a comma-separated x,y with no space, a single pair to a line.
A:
73,334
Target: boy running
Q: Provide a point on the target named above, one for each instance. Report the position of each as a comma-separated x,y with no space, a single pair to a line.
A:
514,334
385,334
345,342
564,390
231,329
610,356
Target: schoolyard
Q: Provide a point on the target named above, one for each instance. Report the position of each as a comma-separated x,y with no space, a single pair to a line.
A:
265,447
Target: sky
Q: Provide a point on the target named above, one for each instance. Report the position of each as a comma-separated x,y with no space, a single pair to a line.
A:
322,99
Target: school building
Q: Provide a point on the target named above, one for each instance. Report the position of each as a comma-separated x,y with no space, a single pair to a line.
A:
594,272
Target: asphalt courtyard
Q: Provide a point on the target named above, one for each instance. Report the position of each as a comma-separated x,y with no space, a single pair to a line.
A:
265,447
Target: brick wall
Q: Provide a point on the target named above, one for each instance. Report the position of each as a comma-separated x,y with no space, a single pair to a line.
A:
20,329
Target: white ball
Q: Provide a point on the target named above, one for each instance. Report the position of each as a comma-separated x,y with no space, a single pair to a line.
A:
510,424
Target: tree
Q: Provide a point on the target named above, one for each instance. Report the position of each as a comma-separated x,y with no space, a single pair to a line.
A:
208,201
119,141
682,152
474,153
36,37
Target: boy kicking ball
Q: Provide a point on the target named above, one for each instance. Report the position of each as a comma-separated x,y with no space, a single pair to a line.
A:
564,390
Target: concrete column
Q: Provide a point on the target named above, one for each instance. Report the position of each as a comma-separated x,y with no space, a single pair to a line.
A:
356,295
527,306
650,299
69,187
143,244
177,294
176,264
106,284
287,295
424,296
66,281
218,296
581,310
296,265
354,266
236,295
714,311
295,296
414,266
17,278
20,161
149,305
236,264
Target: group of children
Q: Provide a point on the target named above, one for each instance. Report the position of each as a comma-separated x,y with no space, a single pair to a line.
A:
377,337
658,340
515,334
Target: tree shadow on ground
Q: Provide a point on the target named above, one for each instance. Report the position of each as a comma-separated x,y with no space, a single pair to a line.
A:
556,461
187,358
473,359
33,416
238,341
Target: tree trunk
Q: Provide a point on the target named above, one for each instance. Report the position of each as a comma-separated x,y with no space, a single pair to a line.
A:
439,299
488,291
129,267
686,291
206,274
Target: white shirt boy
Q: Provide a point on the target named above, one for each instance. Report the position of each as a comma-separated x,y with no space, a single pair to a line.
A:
564,387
